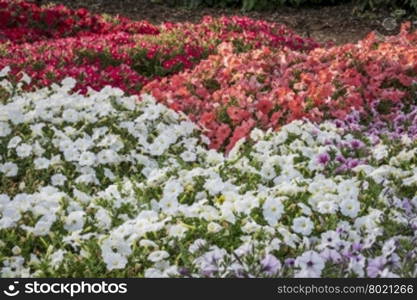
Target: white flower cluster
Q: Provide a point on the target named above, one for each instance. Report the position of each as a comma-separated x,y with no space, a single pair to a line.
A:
103,185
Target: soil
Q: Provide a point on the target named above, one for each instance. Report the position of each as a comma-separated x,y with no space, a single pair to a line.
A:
339,24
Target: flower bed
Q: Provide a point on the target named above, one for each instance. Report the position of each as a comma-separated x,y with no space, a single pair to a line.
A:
230,148
98,185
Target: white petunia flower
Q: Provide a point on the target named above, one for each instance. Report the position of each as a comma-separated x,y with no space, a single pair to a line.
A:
273,210
173,189
41,163
14,142
70,115
350,208
169,205
16,250
68,83
327,207
380,151
26,79
257,134
5,129
5,71
177,231
74,221
9,169
56,258
213,227
303,225
87,158
107,156
188,156
114,261
103,218
58,180
23,150
148,244
158,256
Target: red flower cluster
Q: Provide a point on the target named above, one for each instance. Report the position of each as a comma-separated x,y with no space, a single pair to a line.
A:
99,53
95,61
229,93
22,21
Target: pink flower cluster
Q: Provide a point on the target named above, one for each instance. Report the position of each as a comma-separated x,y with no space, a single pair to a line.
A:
230,93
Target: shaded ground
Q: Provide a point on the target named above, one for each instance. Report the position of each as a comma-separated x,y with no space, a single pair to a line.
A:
339,24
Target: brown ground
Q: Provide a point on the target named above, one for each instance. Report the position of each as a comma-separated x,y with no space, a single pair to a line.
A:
340,24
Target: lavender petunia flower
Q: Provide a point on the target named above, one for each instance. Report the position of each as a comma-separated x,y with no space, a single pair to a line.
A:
323,158
375,266
270,265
